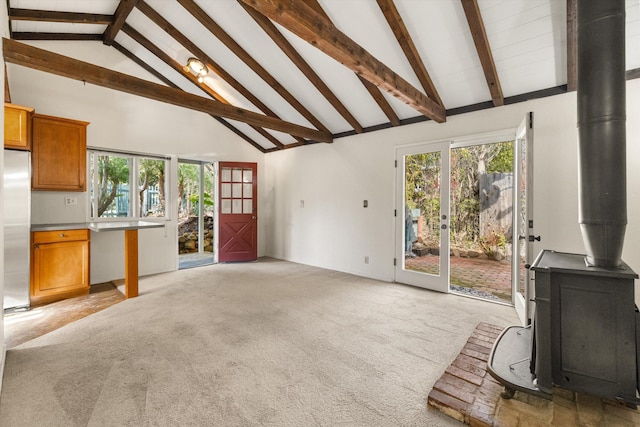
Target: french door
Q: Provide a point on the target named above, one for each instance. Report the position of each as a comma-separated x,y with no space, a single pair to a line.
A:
427,175
523,219
238,212
423,202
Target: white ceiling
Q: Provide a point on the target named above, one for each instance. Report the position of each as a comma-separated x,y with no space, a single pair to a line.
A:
527,39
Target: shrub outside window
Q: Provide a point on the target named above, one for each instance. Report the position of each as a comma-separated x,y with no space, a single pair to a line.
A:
111,176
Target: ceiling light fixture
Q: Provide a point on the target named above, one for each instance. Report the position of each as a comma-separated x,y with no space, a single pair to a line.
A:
197,67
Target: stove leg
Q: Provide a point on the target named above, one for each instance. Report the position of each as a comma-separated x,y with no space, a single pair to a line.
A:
507,393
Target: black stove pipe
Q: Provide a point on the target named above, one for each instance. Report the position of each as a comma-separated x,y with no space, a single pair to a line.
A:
602,130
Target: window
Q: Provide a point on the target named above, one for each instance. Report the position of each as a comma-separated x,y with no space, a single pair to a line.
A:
111,194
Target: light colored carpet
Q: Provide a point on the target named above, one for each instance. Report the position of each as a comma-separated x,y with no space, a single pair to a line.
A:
268,343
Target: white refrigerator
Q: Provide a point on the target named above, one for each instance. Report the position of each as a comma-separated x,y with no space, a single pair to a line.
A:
17,214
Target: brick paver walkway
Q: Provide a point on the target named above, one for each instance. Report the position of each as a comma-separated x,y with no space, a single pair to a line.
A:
485,275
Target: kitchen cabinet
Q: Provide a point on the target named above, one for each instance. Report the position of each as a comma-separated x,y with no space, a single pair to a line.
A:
17,126
59,265
59,150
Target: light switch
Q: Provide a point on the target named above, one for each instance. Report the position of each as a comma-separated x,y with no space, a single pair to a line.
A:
365,204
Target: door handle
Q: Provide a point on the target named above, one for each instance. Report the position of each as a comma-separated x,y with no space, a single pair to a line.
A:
253,217
532,238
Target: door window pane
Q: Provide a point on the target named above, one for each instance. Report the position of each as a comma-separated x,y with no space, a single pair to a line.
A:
247,190
226,190
236,206
237,191
422,212
236,174
225,176
247,206
247,175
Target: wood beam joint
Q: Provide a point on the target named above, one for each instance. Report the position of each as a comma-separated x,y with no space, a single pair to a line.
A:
302,20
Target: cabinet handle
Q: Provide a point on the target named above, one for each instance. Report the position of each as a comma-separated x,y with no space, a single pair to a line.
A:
36,246
61,234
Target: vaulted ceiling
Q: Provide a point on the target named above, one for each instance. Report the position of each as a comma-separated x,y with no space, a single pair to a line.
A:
286,73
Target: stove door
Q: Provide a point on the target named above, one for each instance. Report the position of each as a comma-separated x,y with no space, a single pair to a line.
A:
523,220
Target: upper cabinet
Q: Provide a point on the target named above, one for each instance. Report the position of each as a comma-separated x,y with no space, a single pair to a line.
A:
59,149
17,126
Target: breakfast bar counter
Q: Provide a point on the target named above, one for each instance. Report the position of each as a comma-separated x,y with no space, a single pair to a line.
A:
130,229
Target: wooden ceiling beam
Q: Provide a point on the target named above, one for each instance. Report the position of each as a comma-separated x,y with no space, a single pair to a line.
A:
306,23
50,62
476,26
169,83
7,92
405,41
166,26
382,102
286,47
372,89
56,16
147,44
232,45
119,17
572,45
55,36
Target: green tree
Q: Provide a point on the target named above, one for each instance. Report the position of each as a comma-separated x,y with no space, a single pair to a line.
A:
112,171
188,184
151,172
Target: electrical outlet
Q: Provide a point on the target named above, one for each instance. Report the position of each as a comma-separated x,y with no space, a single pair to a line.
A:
70,201
366,259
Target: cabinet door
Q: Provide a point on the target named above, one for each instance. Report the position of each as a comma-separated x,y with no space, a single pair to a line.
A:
17,126
59,154
59,268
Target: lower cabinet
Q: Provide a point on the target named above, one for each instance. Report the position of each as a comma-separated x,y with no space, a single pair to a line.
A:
59,265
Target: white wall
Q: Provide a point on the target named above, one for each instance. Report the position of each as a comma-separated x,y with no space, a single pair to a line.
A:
124,122
334,231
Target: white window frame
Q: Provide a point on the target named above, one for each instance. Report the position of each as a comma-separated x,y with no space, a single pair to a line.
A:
134,169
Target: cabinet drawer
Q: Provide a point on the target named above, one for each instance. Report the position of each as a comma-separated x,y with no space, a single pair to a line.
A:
60,236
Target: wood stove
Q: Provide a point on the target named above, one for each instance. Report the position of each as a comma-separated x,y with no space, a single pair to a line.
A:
584,335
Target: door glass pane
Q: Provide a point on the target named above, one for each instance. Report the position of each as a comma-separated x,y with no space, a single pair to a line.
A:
480,228
225,206
188,207
247,206
236,206
522,210
423,174
236,175
247,175
247,191
225,190
225,175
237,191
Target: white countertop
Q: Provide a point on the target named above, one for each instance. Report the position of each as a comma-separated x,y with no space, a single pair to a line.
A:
122,225
98,226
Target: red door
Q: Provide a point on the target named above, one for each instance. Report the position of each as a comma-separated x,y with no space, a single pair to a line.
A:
238,218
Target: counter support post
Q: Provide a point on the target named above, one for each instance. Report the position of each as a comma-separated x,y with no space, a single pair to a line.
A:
131,263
